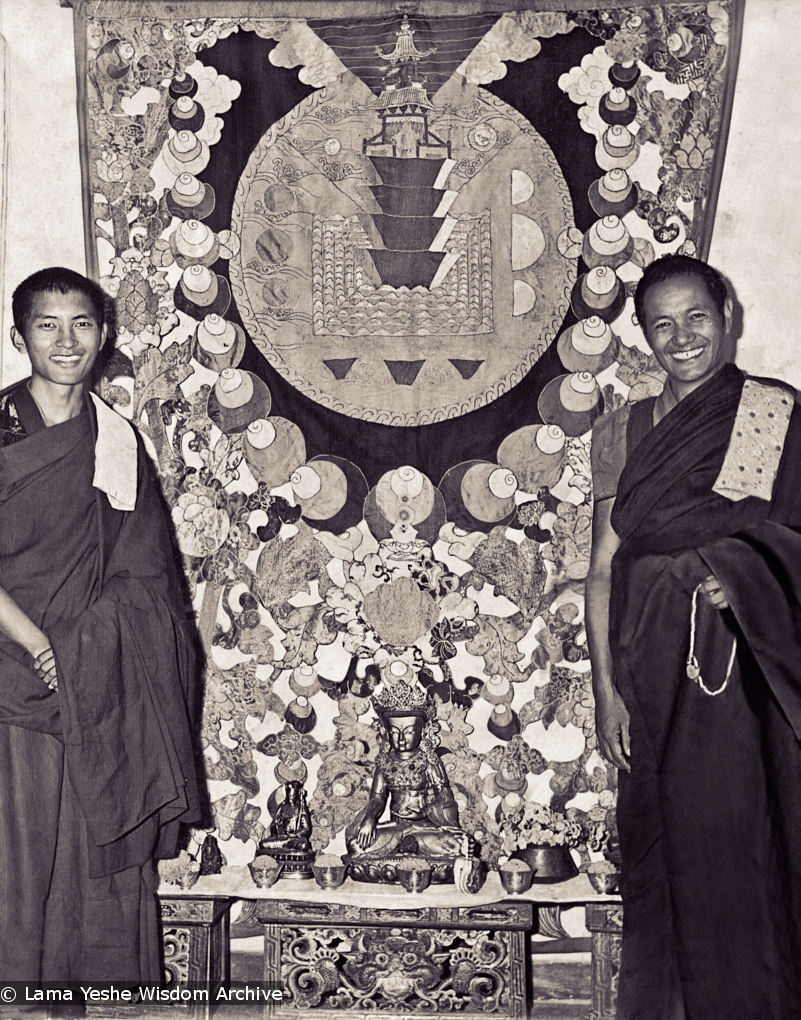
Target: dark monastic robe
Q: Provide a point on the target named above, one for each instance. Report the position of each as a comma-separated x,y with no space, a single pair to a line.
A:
94,778
710,815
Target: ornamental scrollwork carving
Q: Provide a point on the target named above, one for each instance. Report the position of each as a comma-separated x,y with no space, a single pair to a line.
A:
398,968
176,942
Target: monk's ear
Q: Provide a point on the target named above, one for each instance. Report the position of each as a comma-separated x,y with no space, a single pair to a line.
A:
18,340
728,312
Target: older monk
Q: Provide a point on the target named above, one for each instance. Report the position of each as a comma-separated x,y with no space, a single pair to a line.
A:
694,621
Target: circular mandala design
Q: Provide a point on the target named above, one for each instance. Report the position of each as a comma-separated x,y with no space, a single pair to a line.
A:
310,279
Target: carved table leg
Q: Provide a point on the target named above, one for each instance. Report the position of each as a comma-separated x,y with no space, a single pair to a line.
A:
272,962
605,924
196,939
518,998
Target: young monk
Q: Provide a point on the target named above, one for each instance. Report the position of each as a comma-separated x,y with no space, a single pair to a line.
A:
98,677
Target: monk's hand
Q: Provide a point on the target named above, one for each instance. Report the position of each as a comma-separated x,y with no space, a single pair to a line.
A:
612,729
366,834
45,666
714,593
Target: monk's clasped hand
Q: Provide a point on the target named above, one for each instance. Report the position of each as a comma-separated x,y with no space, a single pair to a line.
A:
45,666
713,591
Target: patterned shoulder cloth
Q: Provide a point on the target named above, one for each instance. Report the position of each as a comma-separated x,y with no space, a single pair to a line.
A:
757,440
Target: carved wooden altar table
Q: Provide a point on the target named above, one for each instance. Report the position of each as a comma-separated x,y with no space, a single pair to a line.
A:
362,947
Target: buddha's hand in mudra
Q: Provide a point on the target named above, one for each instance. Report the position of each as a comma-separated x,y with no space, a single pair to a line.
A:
365,837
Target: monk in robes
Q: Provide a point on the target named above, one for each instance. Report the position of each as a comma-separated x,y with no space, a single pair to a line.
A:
694,623
98,680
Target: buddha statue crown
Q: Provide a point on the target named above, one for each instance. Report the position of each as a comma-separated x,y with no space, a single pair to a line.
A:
403,699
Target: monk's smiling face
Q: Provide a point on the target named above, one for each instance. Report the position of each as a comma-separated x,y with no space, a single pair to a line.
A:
686,331
62,337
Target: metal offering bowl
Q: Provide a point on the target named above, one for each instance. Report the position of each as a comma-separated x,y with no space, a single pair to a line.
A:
414,879
604,883
329,876
264,877
516,882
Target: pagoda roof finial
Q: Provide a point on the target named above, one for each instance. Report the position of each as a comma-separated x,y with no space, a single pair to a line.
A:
405,50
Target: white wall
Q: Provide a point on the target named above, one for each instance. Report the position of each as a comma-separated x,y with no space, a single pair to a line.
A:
45,224
757,239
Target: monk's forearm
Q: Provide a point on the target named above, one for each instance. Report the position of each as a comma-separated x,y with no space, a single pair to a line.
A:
597,590
18,626
611,714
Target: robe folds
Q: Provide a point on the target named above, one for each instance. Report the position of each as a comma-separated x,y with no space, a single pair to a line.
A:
710,815
94,778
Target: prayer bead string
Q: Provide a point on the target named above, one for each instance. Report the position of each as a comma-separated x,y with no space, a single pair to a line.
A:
693,669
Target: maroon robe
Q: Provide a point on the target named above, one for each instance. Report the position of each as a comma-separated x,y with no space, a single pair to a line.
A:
710,815
94,778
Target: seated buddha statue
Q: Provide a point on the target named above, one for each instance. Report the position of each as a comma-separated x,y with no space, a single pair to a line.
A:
291,825
409,775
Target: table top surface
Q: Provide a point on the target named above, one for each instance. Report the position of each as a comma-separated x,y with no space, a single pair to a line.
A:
235,882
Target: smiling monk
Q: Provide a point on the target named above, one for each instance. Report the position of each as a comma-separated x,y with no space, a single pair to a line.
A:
98,678
694,623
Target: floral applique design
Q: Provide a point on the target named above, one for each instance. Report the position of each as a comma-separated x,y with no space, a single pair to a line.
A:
11,428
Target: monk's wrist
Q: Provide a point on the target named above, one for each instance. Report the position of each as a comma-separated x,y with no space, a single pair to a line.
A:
605,693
